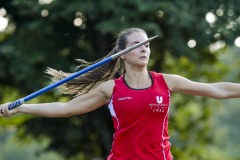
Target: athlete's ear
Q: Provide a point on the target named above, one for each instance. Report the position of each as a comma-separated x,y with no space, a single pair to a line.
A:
123,57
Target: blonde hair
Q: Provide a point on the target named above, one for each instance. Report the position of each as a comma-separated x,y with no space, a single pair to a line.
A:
91,79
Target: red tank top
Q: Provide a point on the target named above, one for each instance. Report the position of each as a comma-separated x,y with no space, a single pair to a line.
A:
140,119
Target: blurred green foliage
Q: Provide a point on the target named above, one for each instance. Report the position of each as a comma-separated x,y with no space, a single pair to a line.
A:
41,35
13,149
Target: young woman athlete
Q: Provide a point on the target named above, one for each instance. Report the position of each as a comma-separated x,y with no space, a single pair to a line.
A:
138,100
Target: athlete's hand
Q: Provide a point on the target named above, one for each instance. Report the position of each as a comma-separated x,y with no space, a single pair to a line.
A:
4,112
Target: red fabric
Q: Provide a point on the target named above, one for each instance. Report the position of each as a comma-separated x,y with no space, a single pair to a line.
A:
140,119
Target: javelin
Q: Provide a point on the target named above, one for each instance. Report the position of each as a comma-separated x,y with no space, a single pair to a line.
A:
76,74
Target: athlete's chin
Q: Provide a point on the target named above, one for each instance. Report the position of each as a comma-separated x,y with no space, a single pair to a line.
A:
141,64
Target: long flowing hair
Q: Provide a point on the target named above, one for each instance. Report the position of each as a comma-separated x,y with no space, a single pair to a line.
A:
93,78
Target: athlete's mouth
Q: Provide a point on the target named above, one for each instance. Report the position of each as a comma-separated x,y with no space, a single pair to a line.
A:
143,57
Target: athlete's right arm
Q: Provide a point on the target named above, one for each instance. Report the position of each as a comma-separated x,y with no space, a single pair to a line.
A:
82,104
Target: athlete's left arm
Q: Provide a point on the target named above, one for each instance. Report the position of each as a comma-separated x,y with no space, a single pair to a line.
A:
218,90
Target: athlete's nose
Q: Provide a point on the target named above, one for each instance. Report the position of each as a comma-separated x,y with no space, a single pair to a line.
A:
143,49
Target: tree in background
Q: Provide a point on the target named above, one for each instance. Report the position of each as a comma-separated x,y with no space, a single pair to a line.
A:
51,33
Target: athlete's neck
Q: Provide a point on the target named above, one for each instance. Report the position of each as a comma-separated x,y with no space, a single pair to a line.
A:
138,79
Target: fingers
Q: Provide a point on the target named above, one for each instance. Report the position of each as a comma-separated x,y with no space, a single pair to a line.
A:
1,112
4,112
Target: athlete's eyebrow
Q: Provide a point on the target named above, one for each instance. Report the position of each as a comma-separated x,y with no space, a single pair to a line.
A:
134,42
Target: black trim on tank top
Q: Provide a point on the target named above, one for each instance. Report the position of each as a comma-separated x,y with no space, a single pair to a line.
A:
150,75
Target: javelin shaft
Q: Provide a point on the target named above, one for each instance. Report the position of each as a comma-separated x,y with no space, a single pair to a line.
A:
74,75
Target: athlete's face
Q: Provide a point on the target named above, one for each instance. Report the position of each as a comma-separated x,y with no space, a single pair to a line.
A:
140,55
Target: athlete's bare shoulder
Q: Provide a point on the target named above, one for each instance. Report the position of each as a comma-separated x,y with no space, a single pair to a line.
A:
107,88
169,79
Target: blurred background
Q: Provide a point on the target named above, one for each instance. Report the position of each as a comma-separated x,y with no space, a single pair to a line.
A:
197,39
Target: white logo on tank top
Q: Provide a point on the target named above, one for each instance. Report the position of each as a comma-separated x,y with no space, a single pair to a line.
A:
159,99
158,107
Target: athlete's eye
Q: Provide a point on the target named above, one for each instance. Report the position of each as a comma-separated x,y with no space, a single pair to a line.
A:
147,45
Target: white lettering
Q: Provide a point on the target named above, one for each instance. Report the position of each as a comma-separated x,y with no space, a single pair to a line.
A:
124,98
